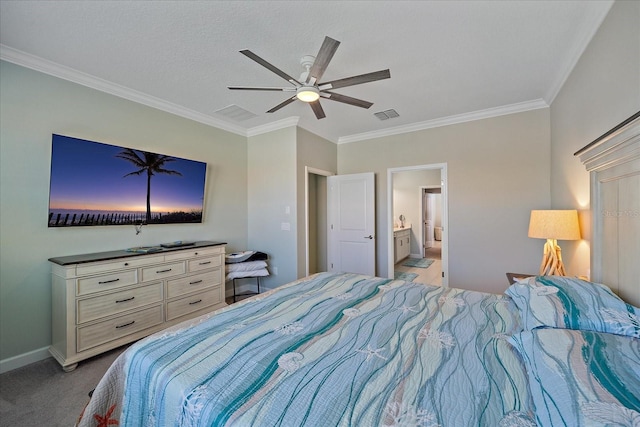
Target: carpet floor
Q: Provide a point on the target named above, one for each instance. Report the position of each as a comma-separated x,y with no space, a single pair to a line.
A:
42,394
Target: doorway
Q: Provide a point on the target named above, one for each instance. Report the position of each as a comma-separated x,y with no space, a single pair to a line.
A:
316,220
339,222
409,191
431,208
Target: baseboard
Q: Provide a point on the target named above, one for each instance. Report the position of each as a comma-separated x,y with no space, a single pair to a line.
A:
15,362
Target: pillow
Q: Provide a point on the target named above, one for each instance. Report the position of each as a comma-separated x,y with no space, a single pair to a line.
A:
571,303
581,378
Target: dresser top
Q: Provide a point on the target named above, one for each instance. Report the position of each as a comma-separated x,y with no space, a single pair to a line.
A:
123,253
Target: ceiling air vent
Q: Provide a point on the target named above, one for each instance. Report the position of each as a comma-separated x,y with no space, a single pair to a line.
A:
386,114
236,113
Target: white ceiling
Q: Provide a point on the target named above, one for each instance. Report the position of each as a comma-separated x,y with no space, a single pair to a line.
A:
449,60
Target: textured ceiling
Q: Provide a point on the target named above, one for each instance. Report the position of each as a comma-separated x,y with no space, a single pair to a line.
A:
447,59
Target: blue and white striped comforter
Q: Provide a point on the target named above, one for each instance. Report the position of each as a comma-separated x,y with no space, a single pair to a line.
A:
329,350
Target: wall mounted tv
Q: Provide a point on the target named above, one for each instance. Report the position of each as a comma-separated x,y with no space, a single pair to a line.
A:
96,184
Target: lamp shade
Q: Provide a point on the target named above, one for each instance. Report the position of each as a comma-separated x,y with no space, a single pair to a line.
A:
554,224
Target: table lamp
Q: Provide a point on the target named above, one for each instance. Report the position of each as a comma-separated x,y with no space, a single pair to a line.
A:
553,225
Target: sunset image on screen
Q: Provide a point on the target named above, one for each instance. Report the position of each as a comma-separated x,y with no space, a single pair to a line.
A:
100,184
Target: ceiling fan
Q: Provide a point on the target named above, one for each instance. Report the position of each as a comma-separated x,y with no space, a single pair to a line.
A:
308,87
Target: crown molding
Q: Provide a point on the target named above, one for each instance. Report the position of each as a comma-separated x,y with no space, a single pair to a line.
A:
60,71
270,127
66,73
446,121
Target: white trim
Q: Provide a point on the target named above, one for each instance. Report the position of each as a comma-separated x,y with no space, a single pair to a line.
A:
450,120
36,63
445,215
53,69
24,359
421,204
307,171
270,127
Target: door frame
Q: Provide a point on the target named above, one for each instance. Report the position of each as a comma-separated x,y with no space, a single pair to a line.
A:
421,203
445,215
307,171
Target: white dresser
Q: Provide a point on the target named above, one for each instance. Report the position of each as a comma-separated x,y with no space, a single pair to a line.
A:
104,300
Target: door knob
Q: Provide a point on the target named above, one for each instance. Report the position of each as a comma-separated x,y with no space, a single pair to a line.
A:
368,237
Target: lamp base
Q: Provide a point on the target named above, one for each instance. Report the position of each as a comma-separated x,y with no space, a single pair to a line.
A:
552,260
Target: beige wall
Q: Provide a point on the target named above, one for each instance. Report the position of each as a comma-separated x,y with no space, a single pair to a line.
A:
498,170
602,90
272,189
317,153
276,165
32,107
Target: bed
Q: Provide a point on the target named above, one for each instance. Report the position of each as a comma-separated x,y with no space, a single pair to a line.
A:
352,350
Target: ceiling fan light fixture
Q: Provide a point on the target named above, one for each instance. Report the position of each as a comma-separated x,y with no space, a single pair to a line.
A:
308,88
308,93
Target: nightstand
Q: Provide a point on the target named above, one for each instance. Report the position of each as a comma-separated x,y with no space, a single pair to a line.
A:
513,276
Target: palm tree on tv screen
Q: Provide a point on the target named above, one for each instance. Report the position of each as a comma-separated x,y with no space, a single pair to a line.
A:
152,164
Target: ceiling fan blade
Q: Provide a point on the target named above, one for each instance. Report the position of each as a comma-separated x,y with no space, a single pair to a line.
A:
326,52
346,99
355,80
317,109
268,66
275,89
282,104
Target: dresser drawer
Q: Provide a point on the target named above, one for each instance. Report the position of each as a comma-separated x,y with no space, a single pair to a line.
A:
204,263
105,282
193,303
93,268
109,330
107,305
195,252
193,283
162,271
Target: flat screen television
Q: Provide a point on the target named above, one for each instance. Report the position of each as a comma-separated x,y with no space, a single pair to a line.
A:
96,184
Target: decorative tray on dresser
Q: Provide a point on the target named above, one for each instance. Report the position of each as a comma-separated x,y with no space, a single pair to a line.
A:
104,300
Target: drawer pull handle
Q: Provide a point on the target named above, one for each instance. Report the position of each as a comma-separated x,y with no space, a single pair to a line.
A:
163,271
126,324
108,281
205,263
195,302
196,282
124,300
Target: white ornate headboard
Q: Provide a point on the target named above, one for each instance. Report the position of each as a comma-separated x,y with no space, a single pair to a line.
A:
613,161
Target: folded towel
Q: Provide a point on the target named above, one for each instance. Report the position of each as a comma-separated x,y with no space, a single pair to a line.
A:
252,273
246,266
245,256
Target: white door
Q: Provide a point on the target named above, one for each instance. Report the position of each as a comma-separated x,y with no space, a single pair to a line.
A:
351,215
428,205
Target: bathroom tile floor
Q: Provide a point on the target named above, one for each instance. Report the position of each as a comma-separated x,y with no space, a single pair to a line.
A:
431,275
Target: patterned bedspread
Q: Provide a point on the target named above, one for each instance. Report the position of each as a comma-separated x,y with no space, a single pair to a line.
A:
328,350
